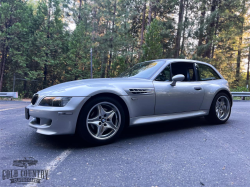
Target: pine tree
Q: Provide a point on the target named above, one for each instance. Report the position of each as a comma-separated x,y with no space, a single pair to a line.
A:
152,46
179,29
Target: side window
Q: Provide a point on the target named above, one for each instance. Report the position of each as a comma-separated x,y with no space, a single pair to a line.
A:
206,73
184,68
165,75
191,74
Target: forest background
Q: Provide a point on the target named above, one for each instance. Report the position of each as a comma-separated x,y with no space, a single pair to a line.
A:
46,42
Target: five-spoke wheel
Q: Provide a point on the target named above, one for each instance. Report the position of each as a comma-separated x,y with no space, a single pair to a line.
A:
101,120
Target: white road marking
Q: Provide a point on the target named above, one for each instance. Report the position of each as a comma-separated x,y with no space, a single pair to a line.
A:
53,164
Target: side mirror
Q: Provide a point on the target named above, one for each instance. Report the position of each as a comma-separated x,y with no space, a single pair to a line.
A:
176,78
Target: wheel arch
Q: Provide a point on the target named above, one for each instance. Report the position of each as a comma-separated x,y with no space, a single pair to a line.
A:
227,93
111,95
211,116
222,91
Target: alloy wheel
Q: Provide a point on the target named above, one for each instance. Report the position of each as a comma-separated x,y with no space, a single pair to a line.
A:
222,108
103,120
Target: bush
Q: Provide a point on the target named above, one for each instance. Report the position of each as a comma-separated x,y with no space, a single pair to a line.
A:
239,89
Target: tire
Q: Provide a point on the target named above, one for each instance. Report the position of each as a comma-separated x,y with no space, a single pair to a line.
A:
219,113
101,121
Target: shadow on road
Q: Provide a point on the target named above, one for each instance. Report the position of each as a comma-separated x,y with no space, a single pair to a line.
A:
140,131
161,127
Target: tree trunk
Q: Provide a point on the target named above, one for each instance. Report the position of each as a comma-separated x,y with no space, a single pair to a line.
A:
178,36
248,64
201,29
150,13
93,37
80,8
210,32
215,32
85,17
25,88
240,44
109,63
93,24
102,76
216,25
143,23
111,42
5,51
45,72
2,65
105,58
184,28
103,68
132,52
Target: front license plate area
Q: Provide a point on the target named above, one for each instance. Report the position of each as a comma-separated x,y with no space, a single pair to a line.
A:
27,113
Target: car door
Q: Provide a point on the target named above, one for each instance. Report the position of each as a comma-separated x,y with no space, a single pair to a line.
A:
186,96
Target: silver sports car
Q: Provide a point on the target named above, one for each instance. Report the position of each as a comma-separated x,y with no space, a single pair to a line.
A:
159,90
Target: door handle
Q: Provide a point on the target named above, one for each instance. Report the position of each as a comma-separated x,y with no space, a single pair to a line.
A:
197,88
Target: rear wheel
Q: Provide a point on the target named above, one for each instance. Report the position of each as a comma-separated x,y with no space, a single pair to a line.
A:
220,109
101,121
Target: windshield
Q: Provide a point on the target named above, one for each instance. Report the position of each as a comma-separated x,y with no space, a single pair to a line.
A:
143,70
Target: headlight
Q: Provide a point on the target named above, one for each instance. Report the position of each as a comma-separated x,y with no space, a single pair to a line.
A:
55,101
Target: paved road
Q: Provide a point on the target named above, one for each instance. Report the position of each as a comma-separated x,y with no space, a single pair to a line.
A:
180,153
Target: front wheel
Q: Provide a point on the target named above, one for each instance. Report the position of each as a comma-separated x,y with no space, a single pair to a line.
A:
220,109
101,121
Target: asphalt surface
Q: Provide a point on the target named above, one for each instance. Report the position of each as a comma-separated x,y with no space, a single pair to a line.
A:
179,153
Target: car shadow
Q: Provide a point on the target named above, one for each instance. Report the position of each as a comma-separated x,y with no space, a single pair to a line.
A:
73,142
161,127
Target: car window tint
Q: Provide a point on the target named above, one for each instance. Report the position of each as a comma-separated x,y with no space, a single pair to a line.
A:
165,75
184,68
206,73
143,70
191,74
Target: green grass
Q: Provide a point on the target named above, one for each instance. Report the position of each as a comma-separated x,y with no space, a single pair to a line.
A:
239,98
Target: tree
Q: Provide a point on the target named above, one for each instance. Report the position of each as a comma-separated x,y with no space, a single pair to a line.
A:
152,46
36,42
241,28
15,19
248,66
179,29
143,24
201,28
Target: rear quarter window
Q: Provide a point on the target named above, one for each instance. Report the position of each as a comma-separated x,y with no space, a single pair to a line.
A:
206,73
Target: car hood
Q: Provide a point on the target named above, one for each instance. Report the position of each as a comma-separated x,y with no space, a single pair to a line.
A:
88,87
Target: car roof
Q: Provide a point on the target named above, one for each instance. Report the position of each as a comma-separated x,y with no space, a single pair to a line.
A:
169,60
181,60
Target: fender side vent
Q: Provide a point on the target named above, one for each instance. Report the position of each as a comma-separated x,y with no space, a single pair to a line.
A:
141,90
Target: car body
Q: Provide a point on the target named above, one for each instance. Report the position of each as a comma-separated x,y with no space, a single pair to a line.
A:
145,97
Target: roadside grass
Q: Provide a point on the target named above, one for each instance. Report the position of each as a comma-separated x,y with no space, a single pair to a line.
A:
240,89
241,98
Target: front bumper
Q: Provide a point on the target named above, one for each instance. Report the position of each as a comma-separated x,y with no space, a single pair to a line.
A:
56,120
